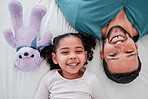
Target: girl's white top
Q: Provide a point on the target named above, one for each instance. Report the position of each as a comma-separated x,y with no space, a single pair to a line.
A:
54,86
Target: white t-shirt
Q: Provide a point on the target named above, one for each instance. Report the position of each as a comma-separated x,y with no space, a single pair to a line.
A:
54,86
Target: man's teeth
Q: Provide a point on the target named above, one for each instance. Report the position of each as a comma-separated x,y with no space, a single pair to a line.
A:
117,38
118,41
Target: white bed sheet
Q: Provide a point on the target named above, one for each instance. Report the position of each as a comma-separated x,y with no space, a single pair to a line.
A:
23,85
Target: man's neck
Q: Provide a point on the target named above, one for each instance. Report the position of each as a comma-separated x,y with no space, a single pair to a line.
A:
121,20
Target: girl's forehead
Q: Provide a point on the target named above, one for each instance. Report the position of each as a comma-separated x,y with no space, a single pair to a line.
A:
70,41
70,38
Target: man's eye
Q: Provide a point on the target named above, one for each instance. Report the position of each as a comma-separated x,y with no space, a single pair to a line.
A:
128,52
112,55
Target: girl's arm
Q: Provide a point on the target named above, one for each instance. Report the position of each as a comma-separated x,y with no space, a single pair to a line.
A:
42,92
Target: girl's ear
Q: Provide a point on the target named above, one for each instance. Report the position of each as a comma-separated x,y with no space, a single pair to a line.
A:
86,55
101,54
54,58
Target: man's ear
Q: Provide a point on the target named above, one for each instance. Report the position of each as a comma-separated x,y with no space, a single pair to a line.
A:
54,59
101,54
136,46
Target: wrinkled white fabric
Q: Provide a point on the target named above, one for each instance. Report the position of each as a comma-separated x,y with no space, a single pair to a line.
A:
23,85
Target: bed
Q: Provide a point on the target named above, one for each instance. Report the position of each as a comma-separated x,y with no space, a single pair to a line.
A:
23,85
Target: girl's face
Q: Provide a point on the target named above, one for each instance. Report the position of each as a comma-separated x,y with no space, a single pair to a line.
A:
70,55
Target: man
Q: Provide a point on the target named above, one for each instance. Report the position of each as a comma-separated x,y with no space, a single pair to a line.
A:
117,22
120,53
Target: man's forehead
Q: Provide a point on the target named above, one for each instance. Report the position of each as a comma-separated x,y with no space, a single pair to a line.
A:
122,66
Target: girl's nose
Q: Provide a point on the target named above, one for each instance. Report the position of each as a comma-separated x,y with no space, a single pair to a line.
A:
73,56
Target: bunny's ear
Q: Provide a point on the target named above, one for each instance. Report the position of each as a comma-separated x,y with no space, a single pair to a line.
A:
15,9
36,17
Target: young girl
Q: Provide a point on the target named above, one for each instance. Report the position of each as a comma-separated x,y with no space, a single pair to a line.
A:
69,79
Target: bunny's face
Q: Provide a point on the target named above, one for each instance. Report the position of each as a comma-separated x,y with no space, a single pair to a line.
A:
27,59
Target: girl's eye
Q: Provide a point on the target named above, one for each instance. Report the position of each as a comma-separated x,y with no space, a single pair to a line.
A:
128,52
64,52
79,51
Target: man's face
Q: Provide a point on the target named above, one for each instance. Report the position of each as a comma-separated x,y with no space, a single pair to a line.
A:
120,51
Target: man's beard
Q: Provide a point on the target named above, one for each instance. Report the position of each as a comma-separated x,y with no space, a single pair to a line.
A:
116,27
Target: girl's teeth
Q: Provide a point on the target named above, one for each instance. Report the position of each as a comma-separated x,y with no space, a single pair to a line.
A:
73,64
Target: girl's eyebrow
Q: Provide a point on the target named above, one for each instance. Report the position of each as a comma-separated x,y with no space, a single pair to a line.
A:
80,47
64,48
68,47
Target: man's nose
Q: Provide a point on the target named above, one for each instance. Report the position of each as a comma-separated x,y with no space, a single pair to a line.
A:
119,45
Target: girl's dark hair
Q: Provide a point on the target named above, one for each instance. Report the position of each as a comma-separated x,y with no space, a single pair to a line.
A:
88,41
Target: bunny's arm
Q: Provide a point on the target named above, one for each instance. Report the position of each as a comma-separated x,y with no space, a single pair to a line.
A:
10,38
15,9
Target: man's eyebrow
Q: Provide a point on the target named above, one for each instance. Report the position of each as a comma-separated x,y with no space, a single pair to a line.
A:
113,58
126,56
134,54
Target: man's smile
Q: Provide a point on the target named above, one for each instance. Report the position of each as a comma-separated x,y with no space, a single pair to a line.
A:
117,36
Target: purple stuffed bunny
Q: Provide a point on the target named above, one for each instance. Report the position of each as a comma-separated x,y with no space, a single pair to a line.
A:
26,40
